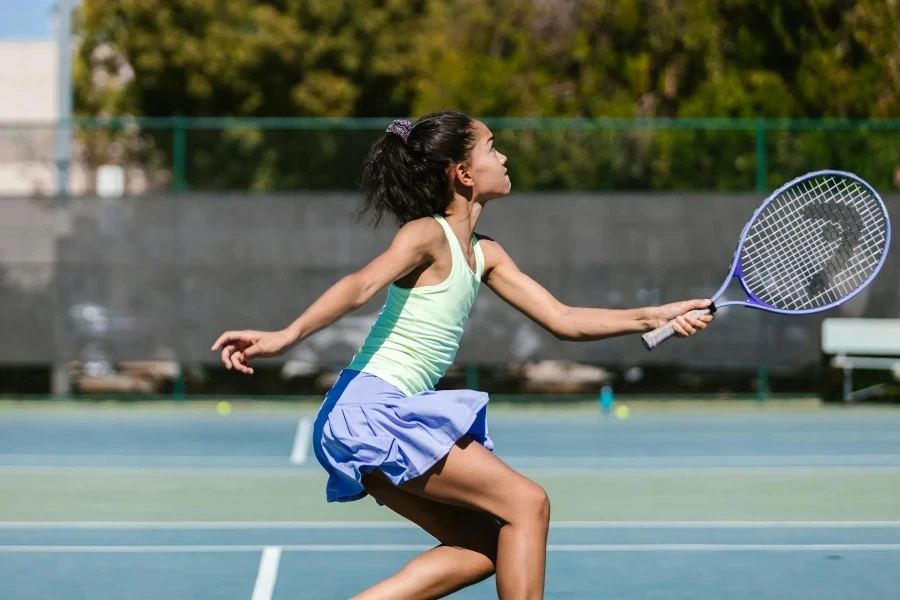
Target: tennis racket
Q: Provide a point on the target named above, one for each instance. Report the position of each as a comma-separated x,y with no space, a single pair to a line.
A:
816,242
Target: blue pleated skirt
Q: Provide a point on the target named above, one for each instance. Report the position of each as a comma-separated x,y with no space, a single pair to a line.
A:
365,423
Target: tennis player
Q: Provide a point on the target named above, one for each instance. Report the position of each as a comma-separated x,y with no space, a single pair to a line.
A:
383,430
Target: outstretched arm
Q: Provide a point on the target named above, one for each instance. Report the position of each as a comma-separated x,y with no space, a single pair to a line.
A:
411,247
576,323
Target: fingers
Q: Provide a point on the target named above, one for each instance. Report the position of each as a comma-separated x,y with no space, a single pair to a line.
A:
699,303
225,337
235,359
696,304
239,363
226,355
235,336
231,343
686,325
683,327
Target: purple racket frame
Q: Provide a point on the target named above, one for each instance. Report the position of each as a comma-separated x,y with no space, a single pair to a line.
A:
656,337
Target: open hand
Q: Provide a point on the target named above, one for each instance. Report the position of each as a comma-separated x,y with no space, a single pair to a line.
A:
238,347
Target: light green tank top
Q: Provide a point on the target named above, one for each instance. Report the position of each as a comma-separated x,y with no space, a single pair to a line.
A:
416,336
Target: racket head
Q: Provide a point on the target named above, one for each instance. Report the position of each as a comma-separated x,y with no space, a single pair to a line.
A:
815,243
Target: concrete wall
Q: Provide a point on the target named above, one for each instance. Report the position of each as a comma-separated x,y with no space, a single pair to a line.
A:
161,277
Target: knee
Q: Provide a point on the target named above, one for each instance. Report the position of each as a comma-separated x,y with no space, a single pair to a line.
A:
534,504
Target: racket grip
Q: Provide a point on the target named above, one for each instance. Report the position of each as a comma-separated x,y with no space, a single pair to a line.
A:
656,337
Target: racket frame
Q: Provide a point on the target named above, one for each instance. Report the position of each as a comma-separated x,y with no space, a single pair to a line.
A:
735,270
659,335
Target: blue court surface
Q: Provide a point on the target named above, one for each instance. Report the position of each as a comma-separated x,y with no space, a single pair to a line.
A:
183,504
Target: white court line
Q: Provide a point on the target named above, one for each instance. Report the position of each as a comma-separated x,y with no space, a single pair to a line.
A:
283,470
142,459
651,469
304,433
308,470
301,441
268,572
233,525
424,547
689,460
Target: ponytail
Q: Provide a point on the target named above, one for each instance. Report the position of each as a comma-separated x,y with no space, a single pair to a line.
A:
406,173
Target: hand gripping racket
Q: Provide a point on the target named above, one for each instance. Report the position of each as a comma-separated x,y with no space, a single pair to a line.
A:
816,242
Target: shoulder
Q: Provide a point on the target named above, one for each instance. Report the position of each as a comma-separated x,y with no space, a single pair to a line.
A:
494,254
422,235
488,244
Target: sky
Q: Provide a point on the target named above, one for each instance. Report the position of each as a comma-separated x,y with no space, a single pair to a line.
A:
25,19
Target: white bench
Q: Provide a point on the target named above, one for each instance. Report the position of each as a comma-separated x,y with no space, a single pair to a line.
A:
862,344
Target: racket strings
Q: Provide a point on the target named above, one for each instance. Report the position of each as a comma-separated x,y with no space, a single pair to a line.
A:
768,247
848,237
784,253
814,244
817,282
845,279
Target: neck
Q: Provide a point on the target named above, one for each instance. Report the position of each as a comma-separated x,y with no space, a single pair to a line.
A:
464,211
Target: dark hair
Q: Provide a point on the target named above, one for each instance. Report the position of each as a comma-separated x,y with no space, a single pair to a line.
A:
408,177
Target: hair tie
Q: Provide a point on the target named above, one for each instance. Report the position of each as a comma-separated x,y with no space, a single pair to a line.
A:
401,127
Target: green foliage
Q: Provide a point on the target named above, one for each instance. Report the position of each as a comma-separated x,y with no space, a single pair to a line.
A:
646,58
501,58
250,57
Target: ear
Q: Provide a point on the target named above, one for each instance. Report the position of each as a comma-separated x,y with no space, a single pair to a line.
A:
462,174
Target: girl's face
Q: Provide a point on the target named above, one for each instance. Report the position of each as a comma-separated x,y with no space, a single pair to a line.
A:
486,170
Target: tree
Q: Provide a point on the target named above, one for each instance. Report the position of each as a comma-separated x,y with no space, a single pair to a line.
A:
651,58
501,58
250,58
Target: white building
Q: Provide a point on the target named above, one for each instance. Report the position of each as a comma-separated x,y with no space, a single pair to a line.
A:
29,108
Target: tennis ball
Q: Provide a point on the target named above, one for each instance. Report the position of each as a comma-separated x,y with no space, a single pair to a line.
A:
223,408
622,411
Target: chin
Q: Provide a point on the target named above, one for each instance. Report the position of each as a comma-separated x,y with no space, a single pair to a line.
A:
500,192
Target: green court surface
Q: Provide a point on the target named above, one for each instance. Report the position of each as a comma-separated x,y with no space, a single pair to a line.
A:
169,503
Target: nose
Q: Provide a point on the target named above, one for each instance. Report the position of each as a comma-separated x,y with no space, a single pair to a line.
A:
502,159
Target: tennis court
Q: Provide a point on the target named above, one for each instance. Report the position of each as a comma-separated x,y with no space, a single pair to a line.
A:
187,504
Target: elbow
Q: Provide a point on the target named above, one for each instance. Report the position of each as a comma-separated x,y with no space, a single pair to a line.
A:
563,330
566,335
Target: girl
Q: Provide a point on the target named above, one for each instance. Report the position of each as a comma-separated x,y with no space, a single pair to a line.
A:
383,430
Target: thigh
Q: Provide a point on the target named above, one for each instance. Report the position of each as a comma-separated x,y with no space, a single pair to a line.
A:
450,524
472,477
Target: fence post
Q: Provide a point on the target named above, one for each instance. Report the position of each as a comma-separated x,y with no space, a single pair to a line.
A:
762,175
472,376
179,154
178,385
762,382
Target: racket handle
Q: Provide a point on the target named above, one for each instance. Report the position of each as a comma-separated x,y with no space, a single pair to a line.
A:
656,337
